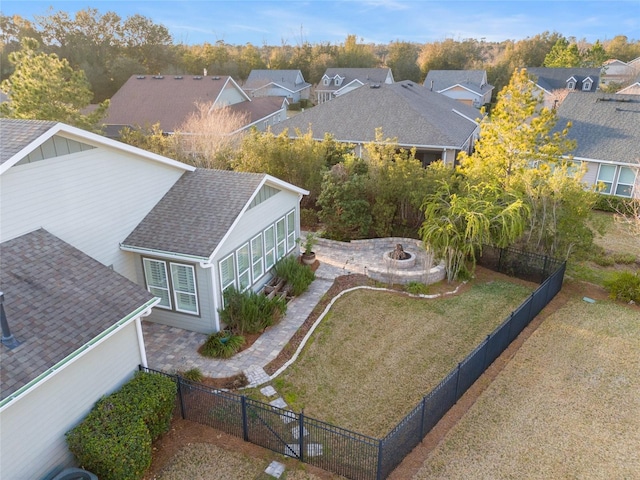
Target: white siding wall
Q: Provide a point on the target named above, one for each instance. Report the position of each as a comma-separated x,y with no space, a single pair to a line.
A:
230,95
91,200
32,429
591,175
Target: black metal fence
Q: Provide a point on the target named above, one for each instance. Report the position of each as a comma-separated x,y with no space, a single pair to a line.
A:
349,453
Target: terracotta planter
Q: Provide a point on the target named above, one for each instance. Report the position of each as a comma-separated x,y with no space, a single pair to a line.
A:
308,258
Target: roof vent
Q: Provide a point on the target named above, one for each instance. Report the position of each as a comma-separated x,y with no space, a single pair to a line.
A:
8,340
215,78
157,77
374,85
140,77
197,77
178,77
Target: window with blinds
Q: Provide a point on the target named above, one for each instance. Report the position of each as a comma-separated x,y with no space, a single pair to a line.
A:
155,273
244,267
184,288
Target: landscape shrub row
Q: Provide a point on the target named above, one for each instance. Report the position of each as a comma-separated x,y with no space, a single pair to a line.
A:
114,439
624,286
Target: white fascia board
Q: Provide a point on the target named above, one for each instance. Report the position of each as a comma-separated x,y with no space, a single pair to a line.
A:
465,117
607,162
461,86
162,253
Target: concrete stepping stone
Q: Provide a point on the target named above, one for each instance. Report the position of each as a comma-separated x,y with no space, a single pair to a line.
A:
275,469
295,431
268,391
278,402
313,450
256,376
288,417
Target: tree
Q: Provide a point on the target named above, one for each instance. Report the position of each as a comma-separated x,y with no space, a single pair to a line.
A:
450,55
563,54
355,55
402,59
45,87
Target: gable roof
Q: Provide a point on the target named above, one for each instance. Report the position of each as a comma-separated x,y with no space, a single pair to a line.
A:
193,218
18,138
291,80
551,79
606,127
365,76
404,110
165,99
473,80
259,108
57,300
633,89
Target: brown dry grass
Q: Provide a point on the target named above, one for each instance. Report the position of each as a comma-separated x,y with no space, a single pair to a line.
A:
566,406
377,353
618,236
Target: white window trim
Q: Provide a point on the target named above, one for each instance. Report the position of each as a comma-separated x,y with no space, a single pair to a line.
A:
281,252
261,259
619,183
586,86
223,287
273,248
167,288
291,235
246,271
176,291
571,85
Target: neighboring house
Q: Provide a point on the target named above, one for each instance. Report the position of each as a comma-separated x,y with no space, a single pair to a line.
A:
78,327
466,86
437,126
170,100
633,89
555,83
277,83
606,128
93,234
617,72
338,81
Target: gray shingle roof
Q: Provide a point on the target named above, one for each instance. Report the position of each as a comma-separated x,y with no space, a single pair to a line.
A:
368,76
474,80
196,213
17,134
284,78
57,299
406,110
556,78
147,100
606,127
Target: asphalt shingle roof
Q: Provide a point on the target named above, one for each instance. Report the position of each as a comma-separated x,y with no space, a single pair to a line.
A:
17,134
56,300
368,76
471,79
193,216
405,110
605,126
556,78
284,78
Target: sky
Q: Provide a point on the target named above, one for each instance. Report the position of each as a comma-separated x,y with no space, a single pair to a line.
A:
372,21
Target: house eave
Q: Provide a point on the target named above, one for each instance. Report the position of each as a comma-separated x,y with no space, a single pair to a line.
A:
163,253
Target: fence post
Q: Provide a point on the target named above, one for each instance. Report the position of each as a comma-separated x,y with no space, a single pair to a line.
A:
457,383
245,423
486,349
182,410
301,437
424,412
544,269
380,448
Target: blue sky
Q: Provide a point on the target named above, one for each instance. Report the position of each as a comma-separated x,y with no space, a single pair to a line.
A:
378,21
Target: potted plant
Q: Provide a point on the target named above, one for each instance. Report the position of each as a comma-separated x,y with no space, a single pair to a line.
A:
308,255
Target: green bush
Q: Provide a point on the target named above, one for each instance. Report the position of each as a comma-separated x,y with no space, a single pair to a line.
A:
308,218
297,276
417,288
193,375
603,260
250,312
611,203
624,258
624,286
221,345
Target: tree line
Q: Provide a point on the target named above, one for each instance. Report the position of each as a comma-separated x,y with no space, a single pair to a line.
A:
109,49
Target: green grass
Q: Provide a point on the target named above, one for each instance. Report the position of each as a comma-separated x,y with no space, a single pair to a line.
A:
566,406
378,353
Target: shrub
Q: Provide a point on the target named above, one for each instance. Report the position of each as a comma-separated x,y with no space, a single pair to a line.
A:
297,276
417,288
603,260
193,375
308,218
624,258
611,203
624,286
250,312
221,345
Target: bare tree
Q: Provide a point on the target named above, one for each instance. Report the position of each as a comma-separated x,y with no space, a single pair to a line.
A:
209,136
629,213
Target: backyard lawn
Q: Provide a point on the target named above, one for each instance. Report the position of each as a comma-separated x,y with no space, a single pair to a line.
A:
376,354
566,406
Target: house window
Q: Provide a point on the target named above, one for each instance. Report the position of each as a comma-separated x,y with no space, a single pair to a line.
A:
257,262
269,247
180,286
606,176
281,239
244,266
326,81
227,273
291,230
626,180
155,273
586,86
184,288
336,81
571,85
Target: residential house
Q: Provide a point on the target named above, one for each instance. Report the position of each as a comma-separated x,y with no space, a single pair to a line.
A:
437,126
169,100
96,234
466,86
289,84
338,81
616,72
633,89
555,83
606,128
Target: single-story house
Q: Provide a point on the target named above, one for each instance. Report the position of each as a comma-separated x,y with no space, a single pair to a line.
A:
437,126
606,128
555,83
96,234
338,81
278,83
169,100
466,86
